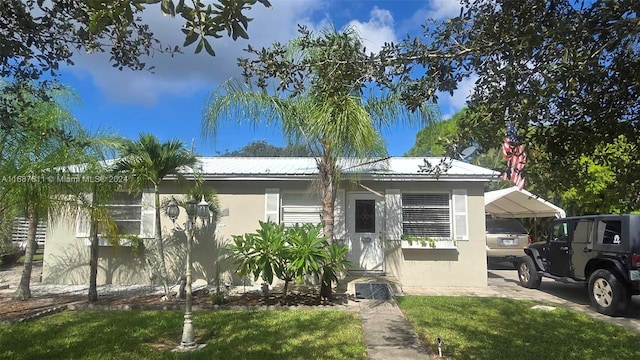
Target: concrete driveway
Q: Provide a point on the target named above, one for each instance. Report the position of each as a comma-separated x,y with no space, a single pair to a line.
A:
504,280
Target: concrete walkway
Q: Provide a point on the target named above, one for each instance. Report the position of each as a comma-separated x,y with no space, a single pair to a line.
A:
387,333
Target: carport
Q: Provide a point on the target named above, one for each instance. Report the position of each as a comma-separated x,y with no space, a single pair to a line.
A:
515,203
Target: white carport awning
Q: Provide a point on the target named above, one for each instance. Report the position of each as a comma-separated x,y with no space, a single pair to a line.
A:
514,203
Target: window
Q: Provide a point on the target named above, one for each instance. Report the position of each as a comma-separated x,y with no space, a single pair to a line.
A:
20,231
426,215
300,208
505,226
583,231
126,210
365,216
610,232
560,233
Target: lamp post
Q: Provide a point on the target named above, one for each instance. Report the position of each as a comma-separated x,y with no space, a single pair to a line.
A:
194,210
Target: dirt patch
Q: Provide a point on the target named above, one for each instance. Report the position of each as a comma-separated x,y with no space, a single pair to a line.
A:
43,303
16,310
202,299
12,311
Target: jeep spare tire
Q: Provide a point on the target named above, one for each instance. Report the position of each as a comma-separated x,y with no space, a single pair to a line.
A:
528,274
607,292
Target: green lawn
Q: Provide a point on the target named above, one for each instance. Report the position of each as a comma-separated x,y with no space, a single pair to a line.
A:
36,257
149,335
491,328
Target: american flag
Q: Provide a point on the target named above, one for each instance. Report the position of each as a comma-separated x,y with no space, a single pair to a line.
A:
516,158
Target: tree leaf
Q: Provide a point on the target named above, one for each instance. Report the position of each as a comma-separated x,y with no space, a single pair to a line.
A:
190,39
208,48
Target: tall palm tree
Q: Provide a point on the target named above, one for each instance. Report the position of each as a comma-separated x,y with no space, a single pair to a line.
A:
93,196
48,140
332,116
147,161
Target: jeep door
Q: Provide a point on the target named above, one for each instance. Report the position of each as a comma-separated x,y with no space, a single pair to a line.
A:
581,246
559,253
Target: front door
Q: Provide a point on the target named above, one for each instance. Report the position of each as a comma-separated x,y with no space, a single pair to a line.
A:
365,213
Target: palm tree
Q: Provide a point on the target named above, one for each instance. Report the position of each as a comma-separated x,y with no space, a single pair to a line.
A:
98,150
331,116
147,161
47,140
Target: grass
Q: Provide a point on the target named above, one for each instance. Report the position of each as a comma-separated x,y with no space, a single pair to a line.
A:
152,334
491,328
36,257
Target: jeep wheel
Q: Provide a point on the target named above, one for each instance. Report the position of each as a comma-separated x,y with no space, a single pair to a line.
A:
528,274
607,292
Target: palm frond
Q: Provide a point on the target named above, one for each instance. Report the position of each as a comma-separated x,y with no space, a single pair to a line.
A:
147,161
238,102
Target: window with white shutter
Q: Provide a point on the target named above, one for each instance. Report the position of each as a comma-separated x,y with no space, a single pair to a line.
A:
460,219
126,211
148,215
124,208
272,205
393,214
20,231
426,215
300,208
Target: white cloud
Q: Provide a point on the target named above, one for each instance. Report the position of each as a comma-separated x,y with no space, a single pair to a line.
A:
437,10
187,73
452,104
378,30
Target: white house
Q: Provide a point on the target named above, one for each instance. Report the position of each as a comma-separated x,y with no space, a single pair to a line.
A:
379,204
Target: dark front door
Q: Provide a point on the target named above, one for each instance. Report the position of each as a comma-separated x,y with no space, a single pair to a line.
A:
559,255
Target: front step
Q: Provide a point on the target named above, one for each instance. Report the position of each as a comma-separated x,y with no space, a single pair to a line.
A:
348,284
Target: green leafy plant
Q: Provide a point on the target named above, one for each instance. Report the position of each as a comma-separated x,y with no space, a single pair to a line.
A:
306,248
423,240
260,253
137,245
288,254
335,263
218,297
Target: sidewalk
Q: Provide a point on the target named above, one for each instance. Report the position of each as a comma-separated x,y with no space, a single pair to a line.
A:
387,333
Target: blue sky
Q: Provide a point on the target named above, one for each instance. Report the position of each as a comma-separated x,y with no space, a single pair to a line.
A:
169,102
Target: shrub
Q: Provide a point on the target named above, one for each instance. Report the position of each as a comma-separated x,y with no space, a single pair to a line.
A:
9,254
288,254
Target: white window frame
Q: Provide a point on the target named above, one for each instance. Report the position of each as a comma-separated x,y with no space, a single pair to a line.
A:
147,212
448,207
311,211
20,230
139,219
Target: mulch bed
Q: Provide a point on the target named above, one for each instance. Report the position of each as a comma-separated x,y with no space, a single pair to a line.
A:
12,311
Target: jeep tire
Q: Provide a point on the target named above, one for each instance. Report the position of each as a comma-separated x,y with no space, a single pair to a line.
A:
607,292
528,274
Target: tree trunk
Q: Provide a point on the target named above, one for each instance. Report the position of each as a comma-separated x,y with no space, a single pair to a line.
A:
326,171
23,291
328,196
93,260
158,236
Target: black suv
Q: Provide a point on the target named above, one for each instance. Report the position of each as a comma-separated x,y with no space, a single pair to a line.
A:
601,251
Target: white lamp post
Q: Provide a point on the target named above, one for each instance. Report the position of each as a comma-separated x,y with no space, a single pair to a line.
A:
193,209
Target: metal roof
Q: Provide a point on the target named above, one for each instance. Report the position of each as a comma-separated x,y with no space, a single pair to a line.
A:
305,167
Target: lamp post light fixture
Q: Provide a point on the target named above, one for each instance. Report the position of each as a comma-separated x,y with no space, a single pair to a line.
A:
194,210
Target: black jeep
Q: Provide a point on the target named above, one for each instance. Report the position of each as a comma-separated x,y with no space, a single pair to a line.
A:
601,251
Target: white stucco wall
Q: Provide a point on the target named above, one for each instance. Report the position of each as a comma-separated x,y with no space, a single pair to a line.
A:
242,205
